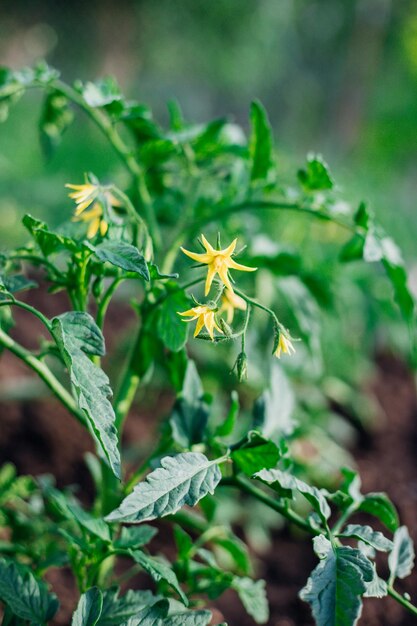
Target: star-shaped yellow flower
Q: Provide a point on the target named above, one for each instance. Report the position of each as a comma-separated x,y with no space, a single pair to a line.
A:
229,302
205,317
219,262
85,196
284,345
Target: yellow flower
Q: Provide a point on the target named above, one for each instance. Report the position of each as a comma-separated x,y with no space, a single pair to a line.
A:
205,317
219,262
229,302
284,345
85,196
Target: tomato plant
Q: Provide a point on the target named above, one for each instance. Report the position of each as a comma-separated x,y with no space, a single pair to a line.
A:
189,185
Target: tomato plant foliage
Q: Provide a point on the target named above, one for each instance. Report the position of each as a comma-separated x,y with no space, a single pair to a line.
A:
194,241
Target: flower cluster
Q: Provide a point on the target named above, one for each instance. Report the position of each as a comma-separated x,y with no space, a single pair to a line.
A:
92,201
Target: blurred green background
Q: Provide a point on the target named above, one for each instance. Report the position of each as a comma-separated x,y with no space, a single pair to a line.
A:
337,76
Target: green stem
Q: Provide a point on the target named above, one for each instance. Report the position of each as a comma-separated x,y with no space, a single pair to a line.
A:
31,309
255,492
105,301
399,598
44,373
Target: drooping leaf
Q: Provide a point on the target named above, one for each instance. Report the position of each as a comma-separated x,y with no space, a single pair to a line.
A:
158,571
286,484
253,597
47,240
172,330
181,479
368,535
27,597
256,454
336,585
135,536
273,411
401,558
261,146
77,336
190,413
89,608
123,255
316,175
118,609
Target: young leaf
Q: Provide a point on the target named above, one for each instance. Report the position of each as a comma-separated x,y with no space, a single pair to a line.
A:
316,175
158,571
181,479
123,255
89,608
27,597
118,609
135,536
379,505
55,119
47,240
256,454
172,330
401,559
261,148
77,336
253,597
368,535
336,585
285,484
190,413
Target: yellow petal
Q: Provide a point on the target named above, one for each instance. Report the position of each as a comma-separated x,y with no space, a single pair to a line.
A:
225,277
104,227
211,272
237,266
207,245
93,228
200,258
230,249
199,325
209,323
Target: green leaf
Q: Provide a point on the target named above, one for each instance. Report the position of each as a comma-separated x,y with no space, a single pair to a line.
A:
149,616
89,608
27,597
377,588
401,559
123,255
118,609
368,535
77,336
336,585
101,93
238,551
135,536
285,484
316,175
15,283
188,618
273,411
226,428
190,413
155,274
47,240
172,330
158,571
379,505
261,146
256,454
181,480
55,119
253,597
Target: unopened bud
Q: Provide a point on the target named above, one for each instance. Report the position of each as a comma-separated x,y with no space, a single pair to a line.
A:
241,366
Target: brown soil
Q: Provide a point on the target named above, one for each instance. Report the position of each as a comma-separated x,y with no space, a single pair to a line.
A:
39,437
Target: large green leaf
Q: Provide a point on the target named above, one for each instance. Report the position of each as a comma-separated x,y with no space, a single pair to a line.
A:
27,597
368,535
77,336
181,479
401,559
118,609
286,484
336,585
172,330
123,255
379,505
158,571
190,413
253,597
261,146
89,608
